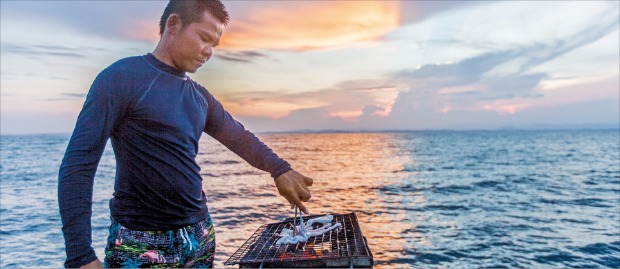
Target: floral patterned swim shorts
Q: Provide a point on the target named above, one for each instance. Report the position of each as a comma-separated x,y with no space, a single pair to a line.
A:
192,246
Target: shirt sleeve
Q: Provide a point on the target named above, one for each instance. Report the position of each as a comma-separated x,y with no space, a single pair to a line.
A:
101,111
232,134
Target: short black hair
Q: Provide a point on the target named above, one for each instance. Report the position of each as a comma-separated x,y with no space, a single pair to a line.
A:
191,11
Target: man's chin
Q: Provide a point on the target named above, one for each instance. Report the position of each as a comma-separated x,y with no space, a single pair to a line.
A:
193,70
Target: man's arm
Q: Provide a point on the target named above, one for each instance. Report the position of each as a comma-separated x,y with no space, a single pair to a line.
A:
100,112
232,134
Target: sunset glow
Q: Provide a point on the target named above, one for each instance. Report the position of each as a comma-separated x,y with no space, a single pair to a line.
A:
299,25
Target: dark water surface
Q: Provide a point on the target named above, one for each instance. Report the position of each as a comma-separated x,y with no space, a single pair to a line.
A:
536,199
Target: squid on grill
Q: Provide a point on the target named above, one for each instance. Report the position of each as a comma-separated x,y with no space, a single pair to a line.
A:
289,236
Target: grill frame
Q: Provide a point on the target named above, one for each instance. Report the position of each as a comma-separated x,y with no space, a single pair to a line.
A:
342,247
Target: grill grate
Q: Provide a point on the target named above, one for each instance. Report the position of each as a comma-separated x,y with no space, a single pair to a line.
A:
341,247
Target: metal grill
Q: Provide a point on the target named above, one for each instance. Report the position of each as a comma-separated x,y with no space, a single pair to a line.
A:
341,247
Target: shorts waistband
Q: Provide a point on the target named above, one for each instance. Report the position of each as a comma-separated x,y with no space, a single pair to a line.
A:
201,223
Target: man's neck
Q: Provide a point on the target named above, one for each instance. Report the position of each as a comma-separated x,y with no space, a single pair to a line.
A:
161,54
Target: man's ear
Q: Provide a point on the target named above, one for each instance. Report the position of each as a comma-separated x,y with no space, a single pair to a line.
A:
173,24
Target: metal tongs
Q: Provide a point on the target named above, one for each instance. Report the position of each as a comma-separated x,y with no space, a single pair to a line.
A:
301,222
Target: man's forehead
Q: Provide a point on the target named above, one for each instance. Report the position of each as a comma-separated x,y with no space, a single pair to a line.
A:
208,23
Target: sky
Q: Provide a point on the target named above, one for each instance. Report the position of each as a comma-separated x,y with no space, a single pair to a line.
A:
336,65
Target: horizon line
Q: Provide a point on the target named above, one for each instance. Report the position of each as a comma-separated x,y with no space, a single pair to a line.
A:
338,131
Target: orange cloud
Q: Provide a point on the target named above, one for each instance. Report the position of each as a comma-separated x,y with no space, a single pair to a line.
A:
143,30
297,25
346,115
264,108
505,107
308,25
347,100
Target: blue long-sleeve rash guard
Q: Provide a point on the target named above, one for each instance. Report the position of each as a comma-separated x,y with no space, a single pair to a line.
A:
154,115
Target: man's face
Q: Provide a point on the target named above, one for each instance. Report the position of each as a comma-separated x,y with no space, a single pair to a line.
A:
193,45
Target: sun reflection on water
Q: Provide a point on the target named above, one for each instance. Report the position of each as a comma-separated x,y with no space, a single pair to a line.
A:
348,170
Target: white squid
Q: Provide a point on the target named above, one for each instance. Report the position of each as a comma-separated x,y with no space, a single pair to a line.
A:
289,236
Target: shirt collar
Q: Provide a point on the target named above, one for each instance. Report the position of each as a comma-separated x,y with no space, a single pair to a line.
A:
163,66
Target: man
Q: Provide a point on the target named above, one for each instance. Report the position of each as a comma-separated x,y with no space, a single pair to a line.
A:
155,115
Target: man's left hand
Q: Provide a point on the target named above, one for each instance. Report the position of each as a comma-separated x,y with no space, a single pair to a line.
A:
294,187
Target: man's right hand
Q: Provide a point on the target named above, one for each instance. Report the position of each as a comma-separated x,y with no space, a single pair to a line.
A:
293,186
94,264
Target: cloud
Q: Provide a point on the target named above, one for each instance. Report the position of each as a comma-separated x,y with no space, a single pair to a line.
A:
467,94
357,93
39,50
608,22
289,25
418,11
595,113
29,75
307,25
74,95
353,104
240,57
436,84
61,97
500,78
282,25
316,25
134,20
297,120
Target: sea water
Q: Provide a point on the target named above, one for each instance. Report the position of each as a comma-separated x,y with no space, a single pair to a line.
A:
429,199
